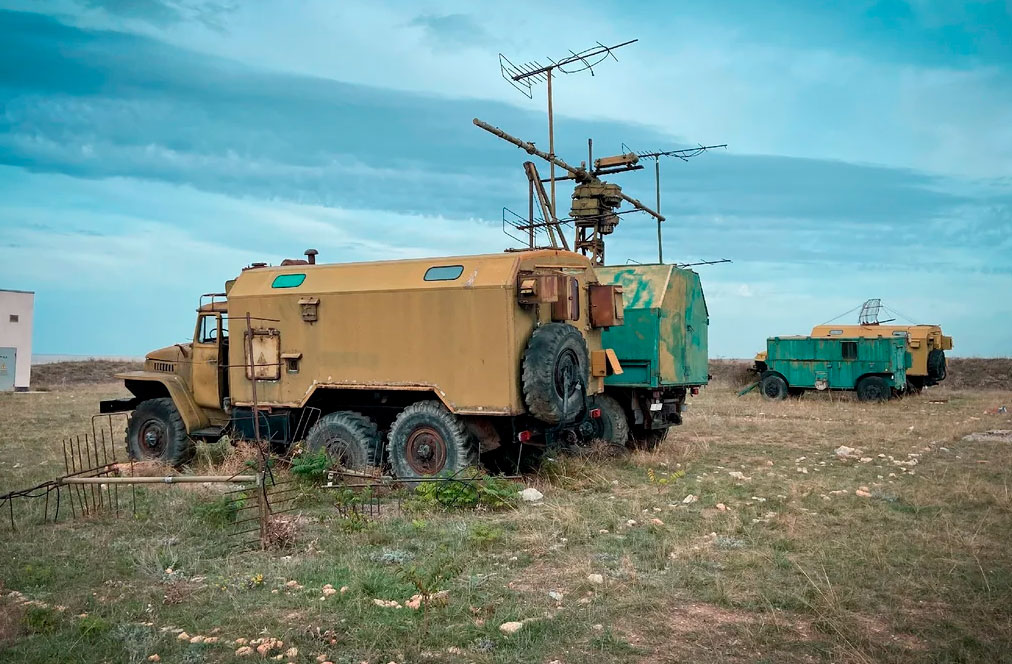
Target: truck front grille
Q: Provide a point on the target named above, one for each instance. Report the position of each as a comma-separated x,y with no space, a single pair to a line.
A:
167,367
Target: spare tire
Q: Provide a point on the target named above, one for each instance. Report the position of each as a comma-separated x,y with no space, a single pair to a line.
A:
555,373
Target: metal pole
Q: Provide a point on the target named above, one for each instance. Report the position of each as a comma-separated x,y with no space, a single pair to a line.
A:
530,213
657,181
551,142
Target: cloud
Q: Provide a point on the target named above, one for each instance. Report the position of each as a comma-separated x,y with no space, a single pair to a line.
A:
451,30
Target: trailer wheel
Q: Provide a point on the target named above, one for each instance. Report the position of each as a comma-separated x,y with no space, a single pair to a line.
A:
427,440
350,439
873,388
773,386
155,432
612,426
555,373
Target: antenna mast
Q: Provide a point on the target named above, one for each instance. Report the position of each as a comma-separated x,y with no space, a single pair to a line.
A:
523,76
684,155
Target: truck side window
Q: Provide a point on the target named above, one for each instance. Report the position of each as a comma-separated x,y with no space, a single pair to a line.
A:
443,273
208,330
849,349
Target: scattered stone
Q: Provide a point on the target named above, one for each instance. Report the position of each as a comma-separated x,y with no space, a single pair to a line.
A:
154,658
183,636
863,493
387,603
865,460
845,452
244,651
557,596
328,591
738,475
803,470
531,495
596,579
598,627
657,522
197,639
722,507
603,531
511,627
689,499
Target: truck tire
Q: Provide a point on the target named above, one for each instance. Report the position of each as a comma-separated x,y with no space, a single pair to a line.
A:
555,373
427,440
936,366
612,426
873,388
773,386
155,432
647,439
349,439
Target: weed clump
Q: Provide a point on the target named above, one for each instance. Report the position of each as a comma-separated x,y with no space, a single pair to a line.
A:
474,491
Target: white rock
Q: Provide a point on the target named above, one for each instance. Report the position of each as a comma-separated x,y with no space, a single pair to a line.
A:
511,627
738,475
844,451
531,495
557,596
689,499
596,579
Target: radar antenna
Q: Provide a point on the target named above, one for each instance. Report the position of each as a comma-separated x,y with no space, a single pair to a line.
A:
523,76
595,202
684,155
869,312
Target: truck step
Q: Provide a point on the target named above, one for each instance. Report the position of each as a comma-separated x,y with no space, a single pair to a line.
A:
207,432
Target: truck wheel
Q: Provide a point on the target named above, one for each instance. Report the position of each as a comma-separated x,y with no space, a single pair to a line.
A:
773,386
936,365
349,439
555,373
647,439
873,388
427,440
613,427
155,432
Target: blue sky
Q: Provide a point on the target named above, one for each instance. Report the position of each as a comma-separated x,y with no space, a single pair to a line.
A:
150,149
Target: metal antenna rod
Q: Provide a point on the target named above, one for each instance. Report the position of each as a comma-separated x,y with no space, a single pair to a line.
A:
683,154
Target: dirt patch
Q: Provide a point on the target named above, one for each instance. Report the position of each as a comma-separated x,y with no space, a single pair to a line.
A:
996,436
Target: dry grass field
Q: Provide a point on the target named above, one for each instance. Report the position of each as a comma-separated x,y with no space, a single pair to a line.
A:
745,537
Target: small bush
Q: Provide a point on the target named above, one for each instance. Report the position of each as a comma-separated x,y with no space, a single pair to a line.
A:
221,511
311,466
472,491
41,620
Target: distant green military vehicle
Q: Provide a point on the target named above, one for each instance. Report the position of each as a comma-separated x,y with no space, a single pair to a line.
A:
875,368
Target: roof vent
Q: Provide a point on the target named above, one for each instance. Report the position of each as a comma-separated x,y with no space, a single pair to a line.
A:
311,255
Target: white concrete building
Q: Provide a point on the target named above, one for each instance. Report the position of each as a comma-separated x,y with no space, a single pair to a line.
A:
16,314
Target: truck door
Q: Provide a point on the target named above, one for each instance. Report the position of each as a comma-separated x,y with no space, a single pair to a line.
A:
206,376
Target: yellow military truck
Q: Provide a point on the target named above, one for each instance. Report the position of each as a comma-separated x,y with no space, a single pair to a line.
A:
421,364
926,344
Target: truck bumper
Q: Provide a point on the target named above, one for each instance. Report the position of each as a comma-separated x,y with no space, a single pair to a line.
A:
118,405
